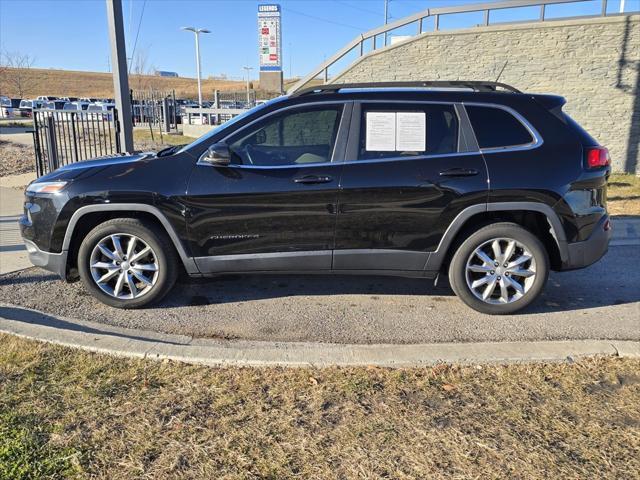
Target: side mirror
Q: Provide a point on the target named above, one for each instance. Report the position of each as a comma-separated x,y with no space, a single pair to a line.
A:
217,154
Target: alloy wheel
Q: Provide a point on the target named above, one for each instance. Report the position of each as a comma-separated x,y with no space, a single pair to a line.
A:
124,266
500,271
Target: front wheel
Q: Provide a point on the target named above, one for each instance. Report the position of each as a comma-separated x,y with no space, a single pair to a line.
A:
499,269
127,263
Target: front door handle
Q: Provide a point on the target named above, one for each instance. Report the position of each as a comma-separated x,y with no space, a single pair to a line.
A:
309,179
459,172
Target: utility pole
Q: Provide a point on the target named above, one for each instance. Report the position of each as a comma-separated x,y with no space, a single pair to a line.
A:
248,69
386,19
120,77
197,32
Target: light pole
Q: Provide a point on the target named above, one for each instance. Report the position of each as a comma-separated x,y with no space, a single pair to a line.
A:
197,32
248,69
386,19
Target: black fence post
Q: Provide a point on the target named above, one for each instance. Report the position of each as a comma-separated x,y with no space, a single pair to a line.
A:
116,127
51,140
36,144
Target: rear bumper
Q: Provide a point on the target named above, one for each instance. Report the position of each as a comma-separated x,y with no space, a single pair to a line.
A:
583,254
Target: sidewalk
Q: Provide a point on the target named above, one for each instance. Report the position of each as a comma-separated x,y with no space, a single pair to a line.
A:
117,341
13,255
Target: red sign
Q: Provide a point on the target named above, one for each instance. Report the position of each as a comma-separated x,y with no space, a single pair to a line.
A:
265,31
273,56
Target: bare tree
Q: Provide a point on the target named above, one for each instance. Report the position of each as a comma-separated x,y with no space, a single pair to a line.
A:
15,77
140,70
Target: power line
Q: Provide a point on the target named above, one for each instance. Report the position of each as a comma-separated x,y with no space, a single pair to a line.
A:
135,44
377,14
287,9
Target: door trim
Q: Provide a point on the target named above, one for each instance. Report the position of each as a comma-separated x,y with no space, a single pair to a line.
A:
379,259
272,262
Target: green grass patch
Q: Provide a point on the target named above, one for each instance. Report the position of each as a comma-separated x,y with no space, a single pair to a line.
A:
28,450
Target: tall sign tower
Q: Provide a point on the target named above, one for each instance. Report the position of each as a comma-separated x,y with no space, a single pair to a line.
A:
270,47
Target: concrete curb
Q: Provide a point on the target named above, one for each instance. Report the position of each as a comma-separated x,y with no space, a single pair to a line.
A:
142,344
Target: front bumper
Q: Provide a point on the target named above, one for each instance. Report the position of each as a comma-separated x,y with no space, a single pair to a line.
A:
582,254
54,262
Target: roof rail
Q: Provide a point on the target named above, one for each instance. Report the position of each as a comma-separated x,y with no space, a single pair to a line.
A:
475,85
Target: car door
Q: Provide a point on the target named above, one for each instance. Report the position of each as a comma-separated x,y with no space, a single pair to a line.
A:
397,199
274,206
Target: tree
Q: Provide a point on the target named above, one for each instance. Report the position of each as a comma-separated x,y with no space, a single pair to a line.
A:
15,77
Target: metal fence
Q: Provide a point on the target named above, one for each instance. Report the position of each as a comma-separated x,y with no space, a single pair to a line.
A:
155,108
63,137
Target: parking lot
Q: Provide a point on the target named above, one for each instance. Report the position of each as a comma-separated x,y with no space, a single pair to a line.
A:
600,302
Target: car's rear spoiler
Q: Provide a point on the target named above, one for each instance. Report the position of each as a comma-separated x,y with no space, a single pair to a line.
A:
553,103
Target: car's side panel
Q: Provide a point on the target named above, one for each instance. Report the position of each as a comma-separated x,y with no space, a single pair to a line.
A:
393,211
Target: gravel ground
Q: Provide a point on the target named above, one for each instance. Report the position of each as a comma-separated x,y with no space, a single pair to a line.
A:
15,158
601,302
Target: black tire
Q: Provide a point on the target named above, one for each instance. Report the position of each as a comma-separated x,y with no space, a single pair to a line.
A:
458,268
164,257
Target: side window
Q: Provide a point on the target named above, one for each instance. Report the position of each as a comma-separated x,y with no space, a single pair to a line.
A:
496,128
299,136
403,130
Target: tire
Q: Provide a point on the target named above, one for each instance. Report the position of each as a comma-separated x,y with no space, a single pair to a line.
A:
470,267
141,283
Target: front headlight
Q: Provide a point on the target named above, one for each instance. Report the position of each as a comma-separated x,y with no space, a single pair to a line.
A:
46,187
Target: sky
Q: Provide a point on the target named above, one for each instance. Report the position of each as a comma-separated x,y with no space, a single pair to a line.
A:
72,34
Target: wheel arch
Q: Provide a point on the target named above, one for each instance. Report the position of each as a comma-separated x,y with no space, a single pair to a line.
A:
100,213
527,214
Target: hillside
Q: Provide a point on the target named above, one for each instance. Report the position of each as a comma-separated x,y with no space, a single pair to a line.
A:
37,81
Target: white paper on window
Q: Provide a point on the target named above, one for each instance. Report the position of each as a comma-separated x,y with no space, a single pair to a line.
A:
381,132
411,131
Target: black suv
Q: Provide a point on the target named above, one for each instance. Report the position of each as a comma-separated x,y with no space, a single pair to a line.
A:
475,179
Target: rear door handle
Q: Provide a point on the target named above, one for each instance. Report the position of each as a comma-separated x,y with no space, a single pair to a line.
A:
459,172
309,179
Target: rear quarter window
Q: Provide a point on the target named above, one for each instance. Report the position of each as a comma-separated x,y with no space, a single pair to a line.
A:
497,128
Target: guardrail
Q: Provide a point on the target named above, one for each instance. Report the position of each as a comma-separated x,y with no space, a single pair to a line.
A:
435,13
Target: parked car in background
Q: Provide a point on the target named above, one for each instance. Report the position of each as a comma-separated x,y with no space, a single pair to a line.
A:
47,98
27,106
10,107
76,106
100,110
54,104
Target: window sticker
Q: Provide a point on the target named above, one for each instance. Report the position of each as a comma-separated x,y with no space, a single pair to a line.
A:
396,132
411,131
381,131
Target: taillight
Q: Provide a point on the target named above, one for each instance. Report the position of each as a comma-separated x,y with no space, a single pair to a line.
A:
598,157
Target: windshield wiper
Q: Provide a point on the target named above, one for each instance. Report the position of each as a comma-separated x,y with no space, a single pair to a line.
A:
169,150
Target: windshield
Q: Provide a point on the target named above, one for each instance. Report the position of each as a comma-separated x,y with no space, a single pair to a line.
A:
229,123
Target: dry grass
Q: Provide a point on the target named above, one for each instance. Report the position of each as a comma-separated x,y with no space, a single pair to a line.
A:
95,84
70,413
142,139
623,194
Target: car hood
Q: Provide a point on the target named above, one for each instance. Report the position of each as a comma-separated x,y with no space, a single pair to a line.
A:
106,161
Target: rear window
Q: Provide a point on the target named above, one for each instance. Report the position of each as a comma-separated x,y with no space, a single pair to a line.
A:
497,128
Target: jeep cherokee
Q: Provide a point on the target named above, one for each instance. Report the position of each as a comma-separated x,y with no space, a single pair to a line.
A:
477,180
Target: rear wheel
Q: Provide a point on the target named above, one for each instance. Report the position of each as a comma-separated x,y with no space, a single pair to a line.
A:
127,263
499,269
